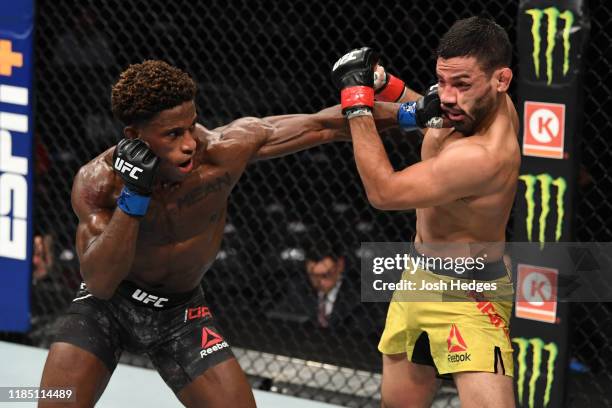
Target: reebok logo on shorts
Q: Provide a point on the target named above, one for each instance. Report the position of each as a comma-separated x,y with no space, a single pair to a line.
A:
456,344
211,342
455,341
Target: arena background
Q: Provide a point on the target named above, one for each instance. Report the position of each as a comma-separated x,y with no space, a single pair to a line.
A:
269,58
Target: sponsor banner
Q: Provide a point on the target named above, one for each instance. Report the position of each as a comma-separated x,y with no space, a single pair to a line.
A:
537,372
551,43
536,297
544,129
16,183
553,30
545,203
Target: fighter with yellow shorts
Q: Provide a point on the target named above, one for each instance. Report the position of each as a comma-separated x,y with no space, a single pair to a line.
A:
462,330
462,191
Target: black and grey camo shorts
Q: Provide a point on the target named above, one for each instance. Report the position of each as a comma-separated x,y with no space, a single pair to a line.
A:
176,331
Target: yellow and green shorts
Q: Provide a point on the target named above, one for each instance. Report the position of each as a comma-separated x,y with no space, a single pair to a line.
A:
460,330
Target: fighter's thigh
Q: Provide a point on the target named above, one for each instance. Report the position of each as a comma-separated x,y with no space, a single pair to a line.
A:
485,390
222,385
69,366
406,384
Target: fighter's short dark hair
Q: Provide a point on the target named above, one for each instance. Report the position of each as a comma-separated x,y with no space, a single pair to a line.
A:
478,37
143,90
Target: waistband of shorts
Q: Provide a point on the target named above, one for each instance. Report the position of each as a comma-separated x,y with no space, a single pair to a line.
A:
491,270
155,300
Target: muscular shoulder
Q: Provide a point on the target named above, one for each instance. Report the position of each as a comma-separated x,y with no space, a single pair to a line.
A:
95,184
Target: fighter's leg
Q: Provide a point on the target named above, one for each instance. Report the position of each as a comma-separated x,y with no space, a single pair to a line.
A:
485,390
69,366
407,384
197,362
85,351
223,385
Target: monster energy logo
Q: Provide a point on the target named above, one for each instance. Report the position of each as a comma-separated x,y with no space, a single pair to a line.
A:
546,181
538,347
553,16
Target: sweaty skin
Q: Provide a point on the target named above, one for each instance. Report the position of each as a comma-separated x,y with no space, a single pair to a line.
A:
463,188
176,242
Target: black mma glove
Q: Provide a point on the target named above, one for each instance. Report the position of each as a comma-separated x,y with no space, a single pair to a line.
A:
136,164
353,74
424,113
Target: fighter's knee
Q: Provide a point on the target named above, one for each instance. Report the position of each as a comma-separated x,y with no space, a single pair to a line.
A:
408,395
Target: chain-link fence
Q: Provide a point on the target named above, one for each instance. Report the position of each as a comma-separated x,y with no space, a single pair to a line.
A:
592,322
268,58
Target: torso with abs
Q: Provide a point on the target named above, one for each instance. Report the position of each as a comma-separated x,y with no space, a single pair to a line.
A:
181,233
480,218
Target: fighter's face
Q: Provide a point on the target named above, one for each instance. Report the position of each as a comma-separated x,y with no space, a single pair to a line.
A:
324,274
171,136
467,93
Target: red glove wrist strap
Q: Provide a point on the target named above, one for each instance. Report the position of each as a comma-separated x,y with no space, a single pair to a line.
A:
392,91
357,96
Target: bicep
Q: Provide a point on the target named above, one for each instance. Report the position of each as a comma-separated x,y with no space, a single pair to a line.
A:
90,228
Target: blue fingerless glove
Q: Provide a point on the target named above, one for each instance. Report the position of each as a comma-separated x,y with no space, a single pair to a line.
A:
132,203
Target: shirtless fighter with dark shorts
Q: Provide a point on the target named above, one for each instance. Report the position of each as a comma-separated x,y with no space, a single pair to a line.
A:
151,218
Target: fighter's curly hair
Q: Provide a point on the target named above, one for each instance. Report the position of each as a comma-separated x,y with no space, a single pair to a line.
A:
143,90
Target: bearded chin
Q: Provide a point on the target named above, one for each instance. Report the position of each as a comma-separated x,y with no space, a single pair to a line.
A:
469,127
466,128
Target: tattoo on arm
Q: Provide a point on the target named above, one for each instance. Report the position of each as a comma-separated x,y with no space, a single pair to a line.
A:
201,192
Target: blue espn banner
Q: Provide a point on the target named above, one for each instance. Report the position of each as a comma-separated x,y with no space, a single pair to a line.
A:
16,162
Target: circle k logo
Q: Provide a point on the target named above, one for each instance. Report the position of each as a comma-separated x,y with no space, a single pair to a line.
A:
544,129
544,125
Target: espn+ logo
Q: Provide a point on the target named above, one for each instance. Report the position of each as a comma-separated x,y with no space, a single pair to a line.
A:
13,176
122,166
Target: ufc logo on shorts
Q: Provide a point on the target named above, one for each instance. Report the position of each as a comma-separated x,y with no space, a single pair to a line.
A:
122,166
146,298
346,58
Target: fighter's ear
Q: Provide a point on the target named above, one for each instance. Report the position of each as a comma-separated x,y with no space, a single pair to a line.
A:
130,132
502,77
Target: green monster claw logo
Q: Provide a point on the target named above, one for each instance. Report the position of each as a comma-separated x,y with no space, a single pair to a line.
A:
553,15
546,181
537,347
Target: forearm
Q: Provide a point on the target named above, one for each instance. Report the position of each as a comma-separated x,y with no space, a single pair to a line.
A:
385,116
384,113
371,158
288,134
409,95
109,257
